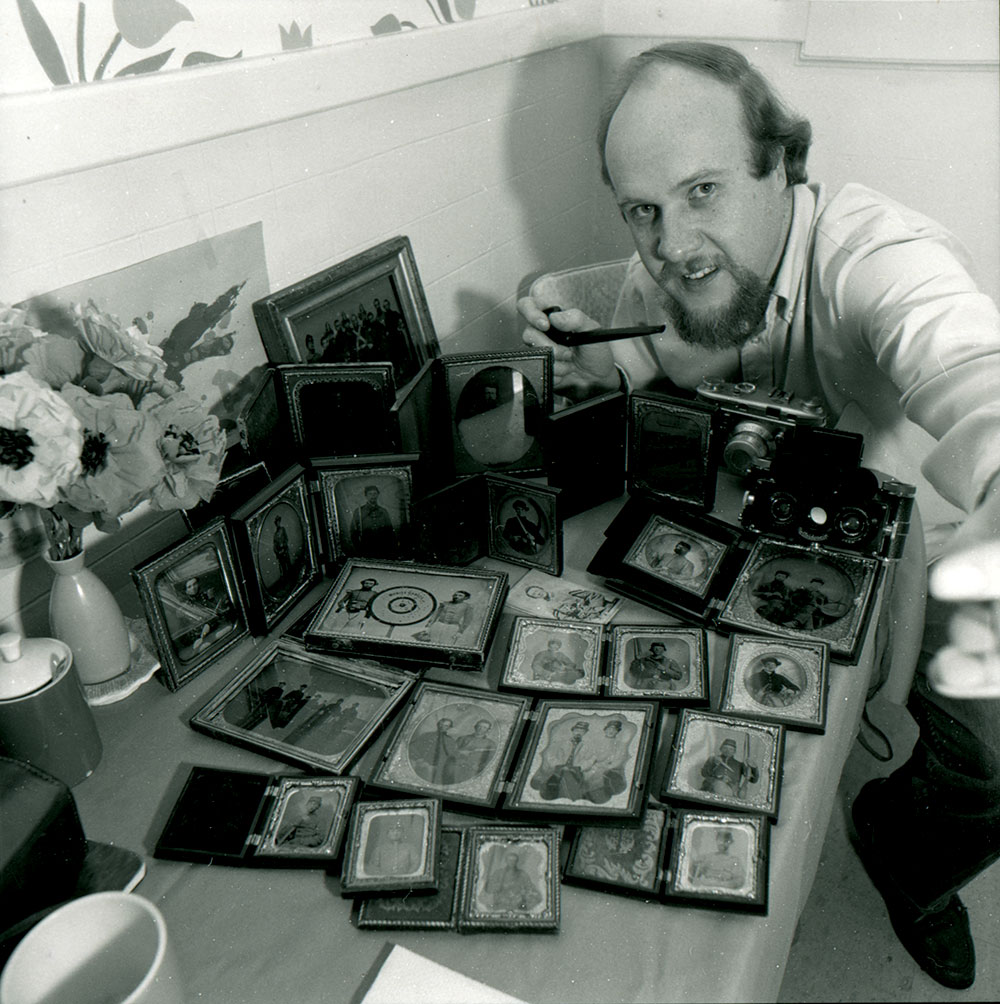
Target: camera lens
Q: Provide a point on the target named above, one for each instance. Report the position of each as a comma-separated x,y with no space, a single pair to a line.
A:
782,508
750,443
852,523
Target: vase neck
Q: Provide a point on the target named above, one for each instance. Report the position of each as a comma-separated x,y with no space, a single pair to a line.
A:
67,566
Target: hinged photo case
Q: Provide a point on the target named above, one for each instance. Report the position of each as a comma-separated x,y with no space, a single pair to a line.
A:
243,818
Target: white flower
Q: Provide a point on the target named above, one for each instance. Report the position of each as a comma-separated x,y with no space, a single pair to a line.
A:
40,441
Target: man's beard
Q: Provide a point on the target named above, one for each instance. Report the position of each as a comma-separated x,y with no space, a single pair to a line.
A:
729,326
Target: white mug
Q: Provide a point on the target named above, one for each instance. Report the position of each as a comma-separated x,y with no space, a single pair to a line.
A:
106,948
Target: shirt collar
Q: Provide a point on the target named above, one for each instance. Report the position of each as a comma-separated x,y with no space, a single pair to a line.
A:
793,258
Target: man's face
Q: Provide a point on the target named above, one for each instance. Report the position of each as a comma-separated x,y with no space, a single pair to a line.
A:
459,597
708,232
371,494
728,749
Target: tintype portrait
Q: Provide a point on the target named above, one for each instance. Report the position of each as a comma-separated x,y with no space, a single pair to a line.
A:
191,599
626,859
307,707
453,742
721,859
511,879
654,661
553,655
726,761
524,523
584,758
777,680
366,506
676,555
307,819
392,845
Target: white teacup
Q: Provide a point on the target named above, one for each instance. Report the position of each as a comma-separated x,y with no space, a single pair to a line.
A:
106,948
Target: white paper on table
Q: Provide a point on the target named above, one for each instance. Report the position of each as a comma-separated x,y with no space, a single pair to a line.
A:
406,976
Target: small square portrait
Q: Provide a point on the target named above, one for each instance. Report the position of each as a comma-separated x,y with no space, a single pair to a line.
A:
777,680
726,761
511,879
720,858
553,655
392,845
619,857
675,555
307,819
524,524
657,662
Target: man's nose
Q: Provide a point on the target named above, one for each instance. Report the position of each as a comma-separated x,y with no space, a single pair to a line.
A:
678,240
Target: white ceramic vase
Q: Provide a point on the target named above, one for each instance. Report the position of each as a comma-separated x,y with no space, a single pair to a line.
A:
84,614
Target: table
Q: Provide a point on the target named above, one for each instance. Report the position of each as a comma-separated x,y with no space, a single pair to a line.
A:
248,935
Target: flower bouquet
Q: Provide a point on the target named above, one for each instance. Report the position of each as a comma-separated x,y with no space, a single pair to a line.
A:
90,426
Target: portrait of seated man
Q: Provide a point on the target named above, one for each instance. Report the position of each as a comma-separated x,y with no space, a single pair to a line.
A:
394,844
305,827
723,774
772,681
714,863
523,530
653,669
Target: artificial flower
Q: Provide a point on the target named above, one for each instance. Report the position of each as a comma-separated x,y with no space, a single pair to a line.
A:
54,359
126,349
120,459
41,441
15,335
192,446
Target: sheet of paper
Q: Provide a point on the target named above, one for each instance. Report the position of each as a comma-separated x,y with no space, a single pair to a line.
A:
406,976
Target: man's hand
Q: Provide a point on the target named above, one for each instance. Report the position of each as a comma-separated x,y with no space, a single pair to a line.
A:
580,372
969,666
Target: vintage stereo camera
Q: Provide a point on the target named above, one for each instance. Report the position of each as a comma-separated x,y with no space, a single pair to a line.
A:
817,533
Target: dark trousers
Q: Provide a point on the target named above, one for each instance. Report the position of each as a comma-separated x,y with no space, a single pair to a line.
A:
937,818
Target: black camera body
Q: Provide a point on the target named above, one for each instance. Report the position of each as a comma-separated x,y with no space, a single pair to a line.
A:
816,492
756,422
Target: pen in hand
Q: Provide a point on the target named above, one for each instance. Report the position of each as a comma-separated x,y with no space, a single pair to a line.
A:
576,338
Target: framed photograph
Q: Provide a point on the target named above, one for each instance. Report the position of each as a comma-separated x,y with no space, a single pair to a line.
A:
192,602
239,480
277,548
264,425
585,758
365,504
671,450
428,613
511,879
307,818
449,524
797,592
525,523
545,595
556,656
454,743
658,663
392,846
774,680
430,911
625,859
496,403
339,410
720,860
370,308
727,762
308,708
584,448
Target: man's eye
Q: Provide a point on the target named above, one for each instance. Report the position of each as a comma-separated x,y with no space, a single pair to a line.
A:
641,213
704,190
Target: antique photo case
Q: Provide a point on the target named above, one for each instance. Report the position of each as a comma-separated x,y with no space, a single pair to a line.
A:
671,449
430,911
496,403
238,482
449,525
585,758
804,593
584,448
365,503
775,680
392,846
719,859
192,602
426,613
557,656
340,410
370,308
308,708
264,425
654,662
525,523
277,547
510,880
243,818
622,859
726,762
454,743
